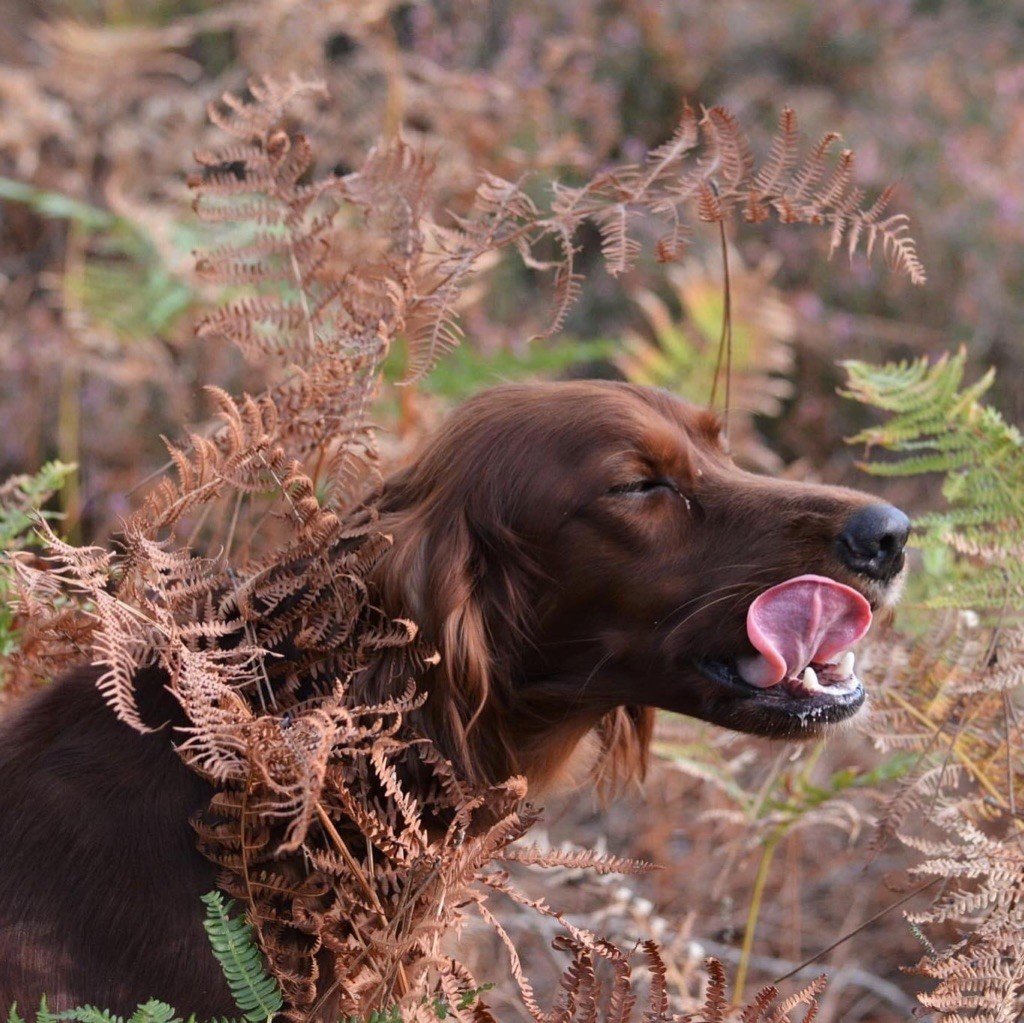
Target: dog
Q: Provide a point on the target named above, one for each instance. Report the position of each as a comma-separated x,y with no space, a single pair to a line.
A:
580,554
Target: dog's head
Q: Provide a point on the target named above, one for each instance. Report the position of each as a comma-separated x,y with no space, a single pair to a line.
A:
580,551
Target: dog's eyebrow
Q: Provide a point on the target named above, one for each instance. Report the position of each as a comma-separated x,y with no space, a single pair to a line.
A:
665,448
628,464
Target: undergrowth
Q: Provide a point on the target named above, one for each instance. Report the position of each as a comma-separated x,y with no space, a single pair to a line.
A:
935,424
321,837
259,998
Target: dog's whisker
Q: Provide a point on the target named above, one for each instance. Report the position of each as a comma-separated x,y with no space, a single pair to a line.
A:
744,584
692,615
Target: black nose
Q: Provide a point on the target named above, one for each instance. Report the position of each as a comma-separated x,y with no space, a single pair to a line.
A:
873,540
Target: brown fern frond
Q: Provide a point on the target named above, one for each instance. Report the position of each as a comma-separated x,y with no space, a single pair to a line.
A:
806,179
716,1002
757,1009
662,158
709,204
782,156
728,157
806,997
618,248
576,859
658,1004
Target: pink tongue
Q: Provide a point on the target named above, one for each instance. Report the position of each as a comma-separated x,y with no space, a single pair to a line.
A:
809,618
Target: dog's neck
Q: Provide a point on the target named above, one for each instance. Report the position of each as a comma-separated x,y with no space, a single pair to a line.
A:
510,735
562,760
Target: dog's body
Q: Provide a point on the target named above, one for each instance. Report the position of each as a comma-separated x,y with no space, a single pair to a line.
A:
578,553
101,879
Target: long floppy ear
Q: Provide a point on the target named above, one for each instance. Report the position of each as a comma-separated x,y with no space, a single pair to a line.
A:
462,591
468,589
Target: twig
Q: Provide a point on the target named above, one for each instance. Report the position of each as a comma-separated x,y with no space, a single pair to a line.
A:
847,976
860,927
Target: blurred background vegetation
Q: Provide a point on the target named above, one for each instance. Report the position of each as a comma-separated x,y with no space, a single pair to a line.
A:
101,104
103,101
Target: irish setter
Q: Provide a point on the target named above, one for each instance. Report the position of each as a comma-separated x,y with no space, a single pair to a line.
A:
580,554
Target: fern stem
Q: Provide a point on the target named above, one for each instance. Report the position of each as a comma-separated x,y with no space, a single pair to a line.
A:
69,430
756,898
357,871
69,410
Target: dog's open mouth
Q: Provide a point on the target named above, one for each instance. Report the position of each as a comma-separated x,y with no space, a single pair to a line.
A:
802,632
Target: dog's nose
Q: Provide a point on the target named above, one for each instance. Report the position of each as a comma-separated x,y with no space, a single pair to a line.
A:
873,539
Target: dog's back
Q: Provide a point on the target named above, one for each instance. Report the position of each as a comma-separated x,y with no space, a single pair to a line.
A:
100,880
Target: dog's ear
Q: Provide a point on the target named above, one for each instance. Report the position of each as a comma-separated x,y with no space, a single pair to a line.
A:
461,594
471,590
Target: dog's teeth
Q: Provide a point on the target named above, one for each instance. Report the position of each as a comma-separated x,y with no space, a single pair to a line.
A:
846,663
811,678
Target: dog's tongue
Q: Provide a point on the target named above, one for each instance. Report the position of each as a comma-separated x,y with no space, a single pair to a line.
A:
809,618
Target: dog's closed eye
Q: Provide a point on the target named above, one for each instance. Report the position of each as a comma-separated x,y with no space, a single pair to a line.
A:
643,486
647,486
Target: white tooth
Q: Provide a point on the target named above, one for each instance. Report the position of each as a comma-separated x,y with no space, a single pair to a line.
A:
811,678
846,664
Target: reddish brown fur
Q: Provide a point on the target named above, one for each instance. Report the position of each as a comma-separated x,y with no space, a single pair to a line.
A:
560,609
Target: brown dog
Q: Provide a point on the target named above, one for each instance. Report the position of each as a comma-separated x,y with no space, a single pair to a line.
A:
579,553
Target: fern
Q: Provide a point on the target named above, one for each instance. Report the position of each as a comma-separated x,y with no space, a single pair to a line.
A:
153,1011
21,501
959,682
22,497
766,1006
91,1014
391,1015
255,992
938,425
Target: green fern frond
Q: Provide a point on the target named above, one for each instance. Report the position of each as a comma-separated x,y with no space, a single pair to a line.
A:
391,1015
936,424
22,497
256,993
44,1015
152,1011
92,1014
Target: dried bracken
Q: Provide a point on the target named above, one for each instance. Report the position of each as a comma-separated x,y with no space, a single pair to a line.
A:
980,977
766,1006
